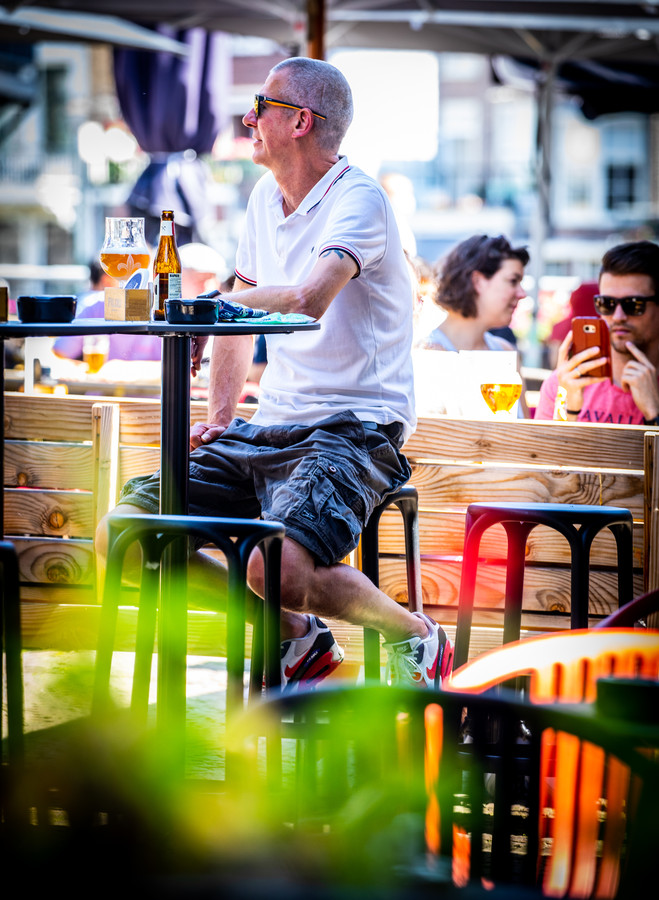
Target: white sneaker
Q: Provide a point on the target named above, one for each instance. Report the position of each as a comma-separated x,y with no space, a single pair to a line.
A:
423,662
307,660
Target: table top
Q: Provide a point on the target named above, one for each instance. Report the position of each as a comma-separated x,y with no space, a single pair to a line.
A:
106,326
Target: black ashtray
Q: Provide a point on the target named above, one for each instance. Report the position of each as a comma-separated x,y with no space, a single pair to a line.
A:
60,308
191,312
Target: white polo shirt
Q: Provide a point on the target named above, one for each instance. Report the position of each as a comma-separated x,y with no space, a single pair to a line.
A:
360,359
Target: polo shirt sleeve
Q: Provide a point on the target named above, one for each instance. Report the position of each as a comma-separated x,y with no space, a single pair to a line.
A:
360,225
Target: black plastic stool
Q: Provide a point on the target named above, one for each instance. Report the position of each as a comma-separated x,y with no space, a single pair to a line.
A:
407,501
579,524
156,534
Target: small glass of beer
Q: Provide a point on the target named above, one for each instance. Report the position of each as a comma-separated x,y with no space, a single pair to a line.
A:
501,383
95,349
501,397
124,249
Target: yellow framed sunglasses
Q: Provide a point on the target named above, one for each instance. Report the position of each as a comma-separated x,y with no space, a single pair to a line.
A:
259,100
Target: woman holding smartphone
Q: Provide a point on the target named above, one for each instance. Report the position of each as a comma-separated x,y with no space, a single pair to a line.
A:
479,287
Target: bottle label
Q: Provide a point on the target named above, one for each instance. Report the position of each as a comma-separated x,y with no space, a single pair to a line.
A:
166,227
174,292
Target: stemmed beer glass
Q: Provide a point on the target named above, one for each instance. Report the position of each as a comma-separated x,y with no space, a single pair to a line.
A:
124,249
501,385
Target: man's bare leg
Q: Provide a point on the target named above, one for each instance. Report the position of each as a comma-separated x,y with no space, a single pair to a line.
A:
337,592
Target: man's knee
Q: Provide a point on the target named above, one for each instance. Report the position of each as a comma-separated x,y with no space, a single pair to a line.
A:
297,571
102,535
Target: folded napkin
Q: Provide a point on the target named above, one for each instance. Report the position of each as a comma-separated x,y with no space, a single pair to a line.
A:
274,318
230,311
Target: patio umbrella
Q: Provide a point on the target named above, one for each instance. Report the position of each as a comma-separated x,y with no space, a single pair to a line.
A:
31,24
175,108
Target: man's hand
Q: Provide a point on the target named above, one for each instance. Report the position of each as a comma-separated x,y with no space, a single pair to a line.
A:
573,371
202,433
197,345
639,377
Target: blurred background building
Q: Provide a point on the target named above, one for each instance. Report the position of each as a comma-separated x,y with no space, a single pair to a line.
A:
457,131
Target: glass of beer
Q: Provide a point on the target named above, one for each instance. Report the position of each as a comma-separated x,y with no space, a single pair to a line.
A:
95,349
500,396
124,249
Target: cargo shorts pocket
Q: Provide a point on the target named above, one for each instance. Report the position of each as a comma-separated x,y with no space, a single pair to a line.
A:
332,506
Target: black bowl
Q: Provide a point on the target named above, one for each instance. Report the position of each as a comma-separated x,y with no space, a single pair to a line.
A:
191,312
60,308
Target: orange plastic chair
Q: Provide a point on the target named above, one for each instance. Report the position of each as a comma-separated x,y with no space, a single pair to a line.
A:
575,775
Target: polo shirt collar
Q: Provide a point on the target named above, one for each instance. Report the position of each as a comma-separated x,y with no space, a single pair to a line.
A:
319,190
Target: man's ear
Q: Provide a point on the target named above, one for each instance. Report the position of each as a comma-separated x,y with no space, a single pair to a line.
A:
303,123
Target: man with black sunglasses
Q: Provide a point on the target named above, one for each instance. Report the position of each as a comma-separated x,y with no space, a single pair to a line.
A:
335,405
628,301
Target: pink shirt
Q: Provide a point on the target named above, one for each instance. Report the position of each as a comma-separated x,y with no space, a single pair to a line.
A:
602,402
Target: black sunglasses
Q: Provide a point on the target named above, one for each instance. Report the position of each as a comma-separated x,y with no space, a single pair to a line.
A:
631,306
259,100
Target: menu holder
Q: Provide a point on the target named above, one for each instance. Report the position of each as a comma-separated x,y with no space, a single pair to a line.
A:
128,304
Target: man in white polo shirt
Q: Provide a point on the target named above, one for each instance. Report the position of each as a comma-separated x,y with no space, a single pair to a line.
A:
336,404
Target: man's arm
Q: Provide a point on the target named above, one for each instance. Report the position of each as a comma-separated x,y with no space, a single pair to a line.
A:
332,271
230,360
232,354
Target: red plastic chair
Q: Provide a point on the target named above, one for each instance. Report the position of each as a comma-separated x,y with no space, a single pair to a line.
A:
575,776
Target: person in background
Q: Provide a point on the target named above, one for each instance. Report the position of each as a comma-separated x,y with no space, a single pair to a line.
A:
581,304
91,305
628,301
203,269
335,405
479,286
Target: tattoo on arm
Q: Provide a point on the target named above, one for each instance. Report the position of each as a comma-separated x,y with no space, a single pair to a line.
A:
336,250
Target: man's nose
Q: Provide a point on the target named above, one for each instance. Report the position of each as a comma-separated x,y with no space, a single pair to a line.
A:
618,313
249,119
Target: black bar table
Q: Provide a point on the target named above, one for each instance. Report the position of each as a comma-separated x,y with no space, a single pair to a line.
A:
174,455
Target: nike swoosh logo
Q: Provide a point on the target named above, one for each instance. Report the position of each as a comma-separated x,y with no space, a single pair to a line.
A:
433,669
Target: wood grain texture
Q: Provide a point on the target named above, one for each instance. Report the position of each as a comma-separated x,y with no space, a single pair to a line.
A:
54,561
46,464
47,417
442,486
53,513
527,441
442,534
546,590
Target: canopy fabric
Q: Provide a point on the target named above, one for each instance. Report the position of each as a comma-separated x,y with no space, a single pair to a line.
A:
28,24
579,29
175,107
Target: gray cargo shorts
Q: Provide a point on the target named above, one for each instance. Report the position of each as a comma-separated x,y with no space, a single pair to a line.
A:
321,481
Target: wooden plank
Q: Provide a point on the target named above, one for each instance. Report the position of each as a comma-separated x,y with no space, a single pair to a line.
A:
442,533
138,460
54,513
446,486
46,464
545,589
53,561
48,417
527,441
105,419
652,513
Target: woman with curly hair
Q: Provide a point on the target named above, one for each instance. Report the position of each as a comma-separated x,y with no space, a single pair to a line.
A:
479,285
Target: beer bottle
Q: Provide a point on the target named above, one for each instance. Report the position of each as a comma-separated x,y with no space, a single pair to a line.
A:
166,267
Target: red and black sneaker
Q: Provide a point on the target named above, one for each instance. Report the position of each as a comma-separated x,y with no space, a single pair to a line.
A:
424,662
307,660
